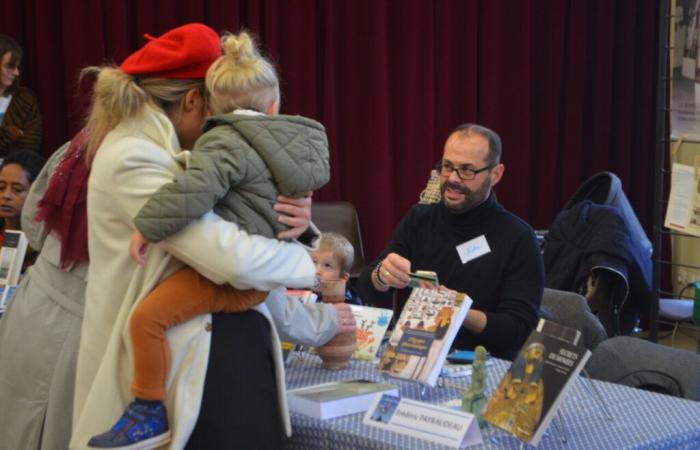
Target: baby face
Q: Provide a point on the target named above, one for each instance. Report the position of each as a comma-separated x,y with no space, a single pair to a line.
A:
327,266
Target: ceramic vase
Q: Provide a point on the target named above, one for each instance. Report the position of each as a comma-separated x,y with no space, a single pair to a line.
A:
337,352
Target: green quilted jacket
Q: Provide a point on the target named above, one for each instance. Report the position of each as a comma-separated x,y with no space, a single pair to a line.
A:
237,167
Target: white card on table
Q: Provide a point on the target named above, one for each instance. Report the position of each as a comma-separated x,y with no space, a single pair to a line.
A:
426,421
472,249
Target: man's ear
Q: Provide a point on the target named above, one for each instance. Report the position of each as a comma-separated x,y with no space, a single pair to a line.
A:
497,174
345,276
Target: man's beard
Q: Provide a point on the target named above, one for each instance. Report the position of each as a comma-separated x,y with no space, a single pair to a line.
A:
471,198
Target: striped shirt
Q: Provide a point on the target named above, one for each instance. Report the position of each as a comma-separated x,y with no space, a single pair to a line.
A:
21,125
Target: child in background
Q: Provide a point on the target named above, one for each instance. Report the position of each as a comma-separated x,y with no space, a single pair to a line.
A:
333,261
247,156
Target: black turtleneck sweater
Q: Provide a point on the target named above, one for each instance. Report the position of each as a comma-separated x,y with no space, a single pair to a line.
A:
506,283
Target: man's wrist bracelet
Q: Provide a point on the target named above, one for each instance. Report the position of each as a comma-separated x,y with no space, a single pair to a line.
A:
378,277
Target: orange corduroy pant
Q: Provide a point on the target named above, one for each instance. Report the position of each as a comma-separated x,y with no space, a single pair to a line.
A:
182,296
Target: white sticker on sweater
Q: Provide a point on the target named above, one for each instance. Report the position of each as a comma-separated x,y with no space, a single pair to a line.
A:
472,249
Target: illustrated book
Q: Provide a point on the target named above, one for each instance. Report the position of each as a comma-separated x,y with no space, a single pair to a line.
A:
372,324
12,257
339,398
424,332
530,392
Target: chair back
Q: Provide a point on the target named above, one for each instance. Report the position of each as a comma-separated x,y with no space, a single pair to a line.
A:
646,365
571,310
341,217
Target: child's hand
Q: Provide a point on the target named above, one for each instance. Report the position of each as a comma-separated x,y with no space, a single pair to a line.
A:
138,247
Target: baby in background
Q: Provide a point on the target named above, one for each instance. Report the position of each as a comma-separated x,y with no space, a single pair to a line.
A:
247,156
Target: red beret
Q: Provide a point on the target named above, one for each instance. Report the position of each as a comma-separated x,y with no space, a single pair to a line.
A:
184,52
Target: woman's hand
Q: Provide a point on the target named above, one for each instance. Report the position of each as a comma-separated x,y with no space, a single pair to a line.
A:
295,213
346,321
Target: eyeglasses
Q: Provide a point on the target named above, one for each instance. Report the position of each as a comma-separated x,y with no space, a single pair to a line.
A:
464,173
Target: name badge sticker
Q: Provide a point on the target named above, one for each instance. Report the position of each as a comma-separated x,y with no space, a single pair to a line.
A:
473,249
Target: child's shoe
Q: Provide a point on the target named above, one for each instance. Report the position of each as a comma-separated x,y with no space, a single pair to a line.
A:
141,427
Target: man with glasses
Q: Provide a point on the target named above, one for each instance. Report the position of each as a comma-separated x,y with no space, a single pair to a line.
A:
473,244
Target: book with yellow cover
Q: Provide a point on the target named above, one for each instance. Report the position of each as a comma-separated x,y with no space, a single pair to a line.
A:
423,334
530,392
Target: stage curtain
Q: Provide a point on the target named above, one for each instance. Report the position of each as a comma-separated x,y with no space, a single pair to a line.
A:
569,85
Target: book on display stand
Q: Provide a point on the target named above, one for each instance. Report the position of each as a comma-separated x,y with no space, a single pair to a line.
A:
529,394
424,332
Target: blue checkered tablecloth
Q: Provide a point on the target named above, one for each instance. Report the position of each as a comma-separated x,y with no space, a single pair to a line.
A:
641,419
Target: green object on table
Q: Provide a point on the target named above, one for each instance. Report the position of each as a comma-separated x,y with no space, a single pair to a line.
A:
696,303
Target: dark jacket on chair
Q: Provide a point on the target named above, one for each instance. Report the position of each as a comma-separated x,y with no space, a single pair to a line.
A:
589,236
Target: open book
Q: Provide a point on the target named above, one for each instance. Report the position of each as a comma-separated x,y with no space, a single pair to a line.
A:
424,333
530,392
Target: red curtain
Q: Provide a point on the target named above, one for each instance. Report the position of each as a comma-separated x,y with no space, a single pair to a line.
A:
569,85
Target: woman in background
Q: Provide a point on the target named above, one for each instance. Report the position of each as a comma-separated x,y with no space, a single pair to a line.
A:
20,118
17,173
40,330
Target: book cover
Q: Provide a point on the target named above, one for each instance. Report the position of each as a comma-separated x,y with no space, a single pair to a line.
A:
424,333
555,330
372,324
530,392
6,293
12,256
339,398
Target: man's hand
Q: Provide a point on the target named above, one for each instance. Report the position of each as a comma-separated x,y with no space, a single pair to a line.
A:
138,247
295,213
393,271
346,321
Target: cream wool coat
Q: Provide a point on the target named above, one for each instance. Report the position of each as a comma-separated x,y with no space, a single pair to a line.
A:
134,160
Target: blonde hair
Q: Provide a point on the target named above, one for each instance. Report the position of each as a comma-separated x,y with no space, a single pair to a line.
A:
242,77
118,96
340,247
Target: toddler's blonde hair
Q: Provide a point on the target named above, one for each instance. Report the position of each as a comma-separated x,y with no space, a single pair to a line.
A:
242,77
340,247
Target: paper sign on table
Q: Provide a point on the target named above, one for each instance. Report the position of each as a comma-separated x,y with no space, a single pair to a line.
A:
426,421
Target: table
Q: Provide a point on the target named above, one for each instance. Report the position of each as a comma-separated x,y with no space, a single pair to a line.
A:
641,419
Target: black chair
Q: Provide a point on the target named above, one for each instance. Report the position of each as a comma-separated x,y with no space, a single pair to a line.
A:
645,365
341,217
572,310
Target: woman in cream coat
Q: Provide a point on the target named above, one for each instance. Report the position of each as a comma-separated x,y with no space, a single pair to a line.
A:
39,336
137,126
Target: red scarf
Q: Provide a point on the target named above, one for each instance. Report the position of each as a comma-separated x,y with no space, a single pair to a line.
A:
63,209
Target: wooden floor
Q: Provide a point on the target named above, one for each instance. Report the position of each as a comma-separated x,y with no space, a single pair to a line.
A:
686,336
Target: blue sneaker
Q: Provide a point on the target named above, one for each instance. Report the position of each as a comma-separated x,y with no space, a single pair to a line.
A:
141,427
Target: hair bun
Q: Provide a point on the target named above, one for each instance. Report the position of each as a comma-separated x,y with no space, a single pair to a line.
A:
241,47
